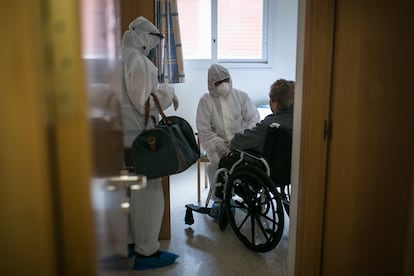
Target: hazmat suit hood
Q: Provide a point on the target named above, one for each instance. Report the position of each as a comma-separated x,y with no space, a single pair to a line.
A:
217,73
142,35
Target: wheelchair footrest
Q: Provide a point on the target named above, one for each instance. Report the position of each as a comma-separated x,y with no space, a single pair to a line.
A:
189,219
198,209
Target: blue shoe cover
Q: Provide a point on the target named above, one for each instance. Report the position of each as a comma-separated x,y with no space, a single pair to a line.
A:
233,209
157,260
214,211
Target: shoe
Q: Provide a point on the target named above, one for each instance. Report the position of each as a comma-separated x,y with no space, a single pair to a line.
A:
156,260
131,250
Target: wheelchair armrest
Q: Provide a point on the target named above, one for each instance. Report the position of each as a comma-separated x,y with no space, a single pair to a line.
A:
252,153
253,156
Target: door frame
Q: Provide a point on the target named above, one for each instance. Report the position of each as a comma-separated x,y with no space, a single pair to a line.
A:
310,148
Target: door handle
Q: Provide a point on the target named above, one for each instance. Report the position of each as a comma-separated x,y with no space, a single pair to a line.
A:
126,180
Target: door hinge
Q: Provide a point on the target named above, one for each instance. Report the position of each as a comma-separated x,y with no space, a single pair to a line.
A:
327,130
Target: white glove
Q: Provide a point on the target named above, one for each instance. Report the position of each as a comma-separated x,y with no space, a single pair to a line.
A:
222,150
175,102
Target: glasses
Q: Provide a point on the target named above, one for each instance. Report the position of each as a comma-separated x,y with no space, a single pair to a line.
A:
157,35
220,82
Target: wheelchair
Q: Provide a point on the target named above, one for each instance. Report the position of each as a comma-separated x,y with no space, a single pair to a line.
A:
255,191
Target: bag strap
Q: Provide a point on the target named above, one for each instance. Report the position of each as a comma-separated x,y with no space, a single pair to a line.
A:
147,111
158,105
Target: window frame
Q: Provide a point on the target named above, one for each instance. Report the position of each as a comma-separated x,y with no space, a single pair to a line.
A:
267,40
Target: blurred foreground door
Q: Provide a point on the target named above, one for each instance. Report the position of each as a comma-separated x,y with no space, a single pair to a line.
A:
100,48
101,44
101,33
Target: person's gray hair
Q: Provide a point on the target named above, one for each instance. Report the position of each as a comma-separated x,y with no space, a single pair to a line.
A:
282,91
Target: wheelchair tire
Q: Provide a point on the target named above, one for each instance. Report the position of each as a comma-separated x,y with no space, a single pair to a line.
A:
257,217
286,204
222,219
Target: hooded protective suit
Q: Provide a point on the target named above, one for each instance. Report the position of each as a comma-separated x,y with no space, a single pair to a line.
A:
221,113
140,78
139,81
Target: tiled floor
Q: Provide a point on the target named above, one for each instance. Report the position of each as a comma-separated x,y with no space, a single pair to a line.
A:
203,248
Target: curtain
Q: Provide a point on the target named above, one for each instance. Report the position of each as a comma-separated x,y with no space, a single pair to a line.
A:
169,55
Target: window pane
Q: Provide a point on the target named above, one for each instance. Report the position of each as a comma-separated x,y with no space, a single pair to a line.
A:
240,25
99,29
195,25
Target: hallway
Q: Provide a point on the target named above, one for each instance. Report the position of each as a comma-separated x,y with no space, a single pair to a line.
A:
203,248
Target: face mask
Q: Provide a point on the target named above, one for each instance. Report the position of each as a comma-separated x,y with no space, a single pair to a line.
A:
151,54
223,89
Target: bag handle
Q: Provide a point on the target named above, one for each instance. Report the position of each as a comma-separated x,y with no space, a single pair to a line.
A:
158,105
147,111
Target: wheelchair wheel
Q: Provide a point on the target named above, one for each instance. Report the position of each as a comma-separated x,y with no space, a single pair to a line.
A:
254,208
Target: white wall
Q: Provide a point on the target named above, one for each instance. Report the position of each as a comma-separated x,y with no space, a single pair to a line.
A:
254,81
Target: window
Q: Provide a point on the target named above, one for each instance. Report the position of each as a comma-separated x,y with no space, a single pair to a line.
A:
99,29
224,31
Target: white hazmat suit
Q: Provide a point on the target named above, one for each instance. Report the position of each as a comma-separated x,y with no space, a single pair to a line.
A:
139,80
221,113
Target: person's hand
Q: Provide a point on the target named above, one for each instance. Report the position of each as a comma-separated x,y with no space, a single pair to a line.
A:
175,102
222,151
